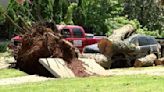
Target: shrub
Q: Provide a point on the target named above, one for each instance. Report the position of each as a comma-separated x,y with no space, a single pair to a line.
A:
3,46
117,22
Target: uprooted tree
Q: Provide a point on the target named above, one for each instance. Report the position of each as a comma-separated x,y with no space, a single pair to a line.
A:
115,48
42,41
121,53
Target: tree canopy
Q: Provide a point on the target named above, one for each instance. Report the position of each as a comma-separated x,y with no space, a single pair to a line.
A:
96,16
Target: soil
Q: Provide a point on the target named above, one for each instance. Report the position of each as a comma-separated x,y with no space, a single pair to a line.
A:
77,67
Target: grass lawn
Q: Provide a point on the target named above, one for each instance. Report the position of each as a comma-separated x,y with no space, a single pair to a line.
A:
9,73
132,83
5,54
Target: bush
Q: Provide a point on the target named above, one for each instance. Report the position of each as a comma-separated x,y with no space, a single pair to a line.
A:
117,22
3,46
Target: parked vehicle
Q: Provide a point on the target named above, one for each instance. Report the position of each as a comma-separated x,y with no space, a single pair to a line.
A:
91,49
77,36
144,44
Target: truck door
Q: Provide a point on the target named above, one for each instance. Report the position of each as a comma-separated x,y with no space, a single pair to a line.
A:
78,38
75,36
66,33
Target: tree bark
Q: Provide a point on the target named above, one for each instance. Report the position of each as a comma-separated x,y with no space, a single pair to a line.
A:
145,61
109,48
115,44
159,61
122,33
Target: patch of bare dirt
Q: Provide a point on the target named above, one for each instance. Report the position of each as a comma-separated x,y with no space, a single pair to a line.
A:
77,67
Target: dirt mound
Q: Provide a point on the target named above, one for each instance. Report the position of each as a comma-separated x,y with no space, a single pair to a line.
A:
43,41
76,66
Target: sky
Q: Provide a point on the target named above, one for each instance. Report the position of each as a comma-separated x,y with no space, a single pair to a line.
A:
4,3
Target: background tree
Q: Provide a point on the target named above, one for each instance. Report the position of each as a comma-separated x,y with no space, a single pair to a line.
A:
92,14
148,12
96,16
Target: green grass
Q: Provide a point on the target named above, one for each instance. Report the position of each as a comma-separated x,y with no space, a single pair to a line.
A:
6,54
133,83
8,73
3,54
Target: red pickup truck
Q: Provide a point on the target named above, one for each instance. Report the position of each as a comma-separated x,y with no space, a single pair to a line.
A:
77,36
72,33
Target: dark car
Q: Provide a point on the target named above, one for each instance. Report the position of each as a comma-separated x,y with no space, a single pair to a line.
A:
91,49
144,44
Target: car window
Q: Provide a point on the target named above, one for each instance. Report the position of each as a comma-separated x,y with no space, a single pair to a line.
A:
143,41
77,33
66,33
152,41
16,43
134,41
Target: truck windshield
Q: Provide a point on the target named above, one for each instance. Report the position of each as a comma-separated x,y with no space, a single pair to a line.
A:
77,33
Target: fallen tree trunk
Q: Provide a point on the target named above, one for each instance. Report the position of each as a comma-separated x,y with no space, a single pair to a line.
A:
115,48
159,61
122,33
115,44
110,47
145,61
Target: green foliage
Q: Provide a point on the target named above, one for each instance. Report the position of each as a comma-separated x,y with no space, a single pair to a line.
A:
19,14
38,10
1,15
150,33
68,18
93,13
117,22
3,46
148,12
42,9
